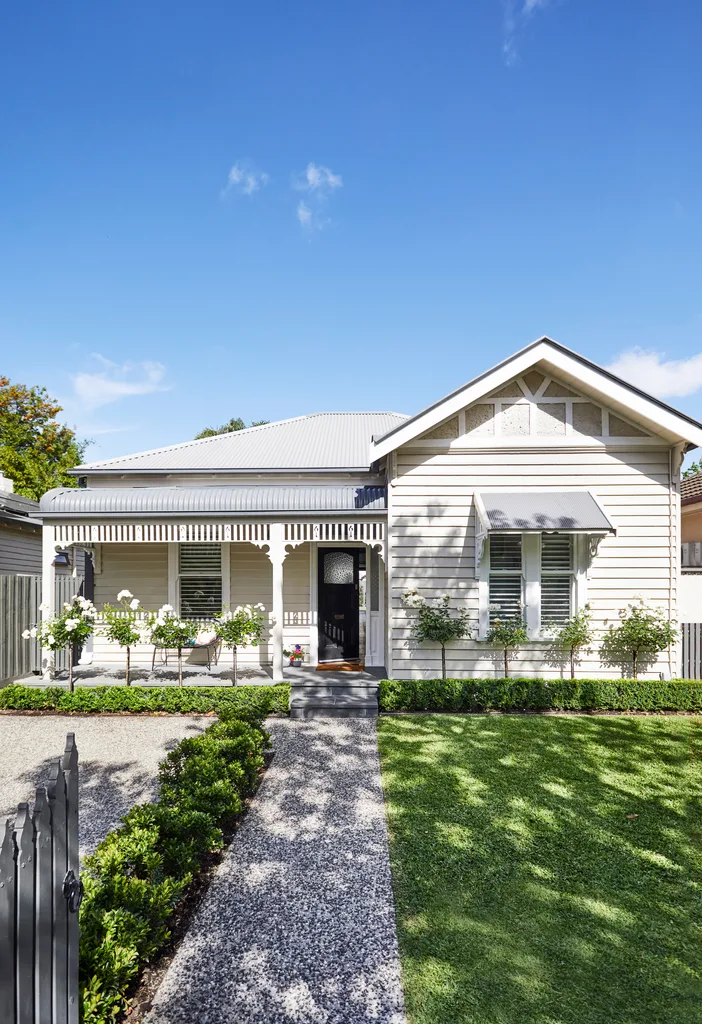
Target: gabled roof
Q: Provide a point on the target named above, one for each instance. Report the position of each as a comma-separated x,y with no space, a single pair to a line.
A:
325,441
586,376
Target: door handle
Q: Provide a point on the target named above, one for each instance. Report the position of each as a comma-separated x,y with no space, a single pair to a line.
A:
338,616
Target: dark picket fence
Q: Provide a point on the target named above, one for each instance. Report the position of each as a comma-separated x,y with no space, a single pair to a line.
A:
40,891
691,650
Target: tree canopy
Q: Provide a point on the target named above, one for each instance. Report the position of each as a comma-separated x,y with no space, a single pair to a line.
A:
35,451
235,423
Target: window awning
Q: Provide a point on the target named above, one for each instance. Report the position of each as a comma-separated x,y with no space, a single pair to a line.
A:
537,512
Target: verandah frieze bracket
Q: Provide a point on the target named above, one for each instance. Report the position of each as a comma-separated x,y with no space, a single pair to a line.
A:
294,533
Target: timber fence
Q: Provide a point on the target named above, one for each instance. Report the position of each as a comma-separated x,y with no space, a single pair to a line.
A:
40,892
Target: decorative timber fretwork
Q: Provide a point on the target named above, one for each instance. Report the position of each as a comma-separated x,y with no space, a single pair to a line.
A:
372,533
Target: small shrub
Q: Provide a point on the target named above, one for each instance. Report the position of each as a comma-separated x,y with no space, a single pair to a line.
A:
250,702
119,625
435,623
540,695
507,635
244,627
642,633
140,872
575,635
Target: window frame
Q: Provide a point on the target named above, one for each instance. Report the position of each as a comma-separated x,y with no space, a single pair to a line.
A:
531,588
175,574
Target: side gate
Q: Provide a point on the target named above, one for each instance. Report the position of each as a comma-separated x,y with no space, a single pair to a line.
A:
691,650
40,892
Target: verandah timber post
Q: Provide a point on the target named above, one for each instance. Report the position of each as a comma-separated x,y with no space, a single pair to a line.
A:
276,554
48,596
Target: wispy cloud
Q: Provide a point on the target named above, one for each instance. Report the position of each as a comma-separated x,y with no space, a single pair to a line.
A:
116,381
320,183
245,179
516,13
652,372
304,214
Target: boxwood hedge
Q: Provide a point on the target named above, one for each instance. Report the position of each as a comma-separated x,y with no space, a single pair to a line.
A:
540,695
246,701
140,873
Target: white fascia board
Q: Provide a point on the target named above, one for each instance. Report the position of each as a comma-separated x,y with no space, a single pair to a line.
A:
458,400
649,410
655,415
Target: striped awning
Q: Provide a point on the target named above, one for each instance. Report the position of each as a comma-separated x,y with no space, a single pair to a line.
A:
542,512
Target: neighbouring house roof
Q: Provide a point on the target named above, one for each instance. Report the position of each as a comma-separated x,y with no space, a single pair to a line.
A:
568,366
18,510
543,511
325,441
231,500
691,488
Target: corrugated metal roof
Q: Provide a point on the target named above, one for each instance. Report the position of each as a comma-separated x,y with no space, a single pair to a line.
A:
546,510
15,508
325,440
233,500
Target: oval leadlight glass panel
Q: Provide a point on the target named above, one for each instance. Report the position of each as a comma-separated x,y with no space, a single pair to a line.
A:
338,567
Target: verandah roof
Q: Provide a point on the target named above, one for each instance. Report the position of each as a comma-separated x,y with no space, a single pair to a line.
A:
211,500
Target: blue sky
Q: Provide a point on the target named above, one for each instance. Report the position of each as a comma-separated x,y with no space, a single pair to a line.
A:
216,209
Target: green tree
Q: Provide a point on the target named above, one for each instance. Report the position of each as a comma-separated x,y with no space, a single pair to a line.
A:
36,452
436,623
576,634
170,632
507,635
643,632
235,423
693,468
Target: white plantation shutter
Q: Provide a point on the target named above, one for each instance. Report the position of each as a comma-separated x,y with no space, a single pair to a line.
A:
200,580
556,578
505,586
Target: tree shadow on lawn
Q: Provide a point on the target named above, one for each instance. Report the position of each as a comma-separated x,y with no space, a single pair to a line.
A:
547,869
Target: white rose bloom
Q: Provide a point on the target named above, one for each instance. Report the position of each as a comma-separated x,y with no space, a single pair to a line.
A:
260,606
33,632
43,607
71,624
166,608
26,634
124,594
134,604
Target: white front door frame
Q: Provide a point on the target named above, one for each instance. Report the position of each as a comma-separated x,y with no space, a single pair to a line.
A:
379,651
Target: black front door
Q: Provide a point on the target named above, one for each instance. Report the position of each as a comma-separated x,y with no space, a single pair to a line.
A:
338,604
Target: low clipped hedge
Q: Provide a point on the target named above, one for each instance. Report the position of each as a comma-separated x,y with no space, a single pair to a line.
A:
249,701
540,695
140,873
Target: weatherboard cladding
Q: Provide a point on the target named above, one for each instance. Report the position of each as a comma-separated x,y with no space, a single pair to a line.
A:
547,510
231,500
328,441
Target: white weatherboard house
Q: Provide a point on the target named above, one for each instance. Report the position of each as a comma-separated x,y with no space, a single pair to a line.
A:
541,485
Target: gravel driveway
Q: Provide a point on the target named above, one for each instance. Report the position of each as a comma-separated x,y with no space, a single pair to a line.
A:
298,924
118,762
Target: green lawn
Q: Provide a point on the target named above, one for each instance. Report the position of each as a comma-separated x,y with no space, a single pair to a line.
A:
547,869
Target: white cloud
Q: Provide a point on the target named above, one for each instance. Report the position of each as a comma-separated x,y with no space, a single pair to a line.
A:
114,381
317,178
320,183
244,178
515,15
304,214
652,372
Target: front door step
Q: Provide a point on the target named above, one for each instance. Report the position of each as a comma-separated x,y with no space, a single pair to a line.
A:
336,700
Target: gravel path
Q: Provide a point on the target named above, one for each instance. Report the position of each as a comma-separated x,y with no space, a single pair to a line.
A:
118,759
298,924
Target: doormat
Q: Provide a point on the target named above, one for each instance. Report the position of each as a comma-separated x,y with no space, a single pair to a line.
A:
341,666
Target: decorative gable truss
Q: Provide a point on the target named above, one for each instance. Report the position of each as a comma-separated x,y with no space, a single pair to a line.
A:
531,407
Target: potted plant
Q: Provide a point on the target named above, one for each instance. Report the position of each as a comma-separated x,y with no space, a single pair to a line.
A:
170,632
296,656
120,624
244,627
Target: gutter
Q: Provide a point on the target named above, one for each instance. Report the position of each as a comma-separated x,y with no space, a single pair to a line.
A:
189,514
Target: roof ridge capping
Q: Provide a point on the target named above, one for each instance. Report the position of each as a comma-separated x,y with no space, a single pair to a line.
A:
547,350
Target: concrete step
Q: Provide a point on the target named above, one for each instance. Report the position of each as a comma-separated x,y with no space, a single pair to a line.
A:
337,704
334,689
